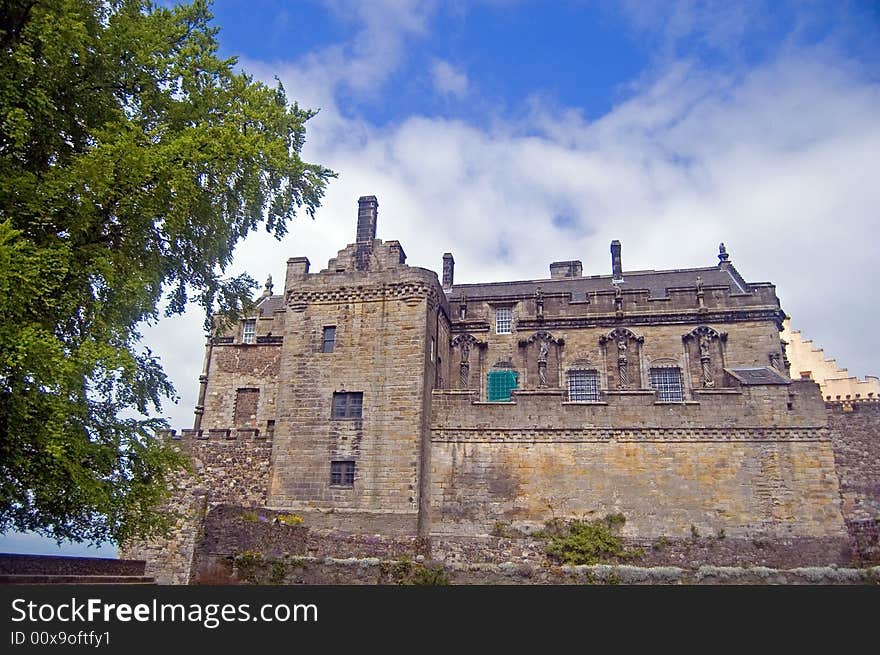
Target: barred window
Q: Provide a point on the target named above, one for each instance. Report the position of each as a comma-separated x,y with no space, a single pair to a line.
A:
248,331
503,320
342,473
329,339
583,386
347,404
667,382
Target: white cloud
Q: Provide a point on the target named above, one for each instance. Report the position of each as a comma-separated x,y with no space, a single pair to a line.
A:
448,80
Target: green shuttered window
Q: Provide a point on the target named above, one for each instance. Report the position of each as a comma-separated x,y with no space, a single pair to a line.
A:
500,384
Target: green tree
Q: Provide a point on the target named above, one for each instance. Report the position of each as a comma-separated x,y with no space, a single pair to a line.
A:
132,160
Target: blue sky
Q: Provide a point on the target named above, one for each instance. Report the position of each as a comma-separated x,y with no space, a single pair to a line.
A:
516,133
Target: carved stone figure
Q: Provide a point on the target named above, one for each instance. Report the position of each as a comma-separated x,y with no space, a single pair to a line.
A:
539,303
465,351
267,288
704,346
543,352
706,361
622,372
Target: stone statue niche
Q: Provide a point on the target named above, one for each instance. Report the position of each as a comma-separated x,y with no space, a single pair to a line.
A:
541,357
622,352
467,357
704,347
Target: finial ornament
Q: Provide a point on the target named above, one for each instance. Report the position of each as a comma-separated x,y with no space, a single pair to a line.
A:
267,289
722,253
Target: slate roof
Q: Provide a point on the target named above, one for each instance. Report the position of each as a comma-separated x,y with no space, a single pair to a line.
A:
270,304
656,282
758,375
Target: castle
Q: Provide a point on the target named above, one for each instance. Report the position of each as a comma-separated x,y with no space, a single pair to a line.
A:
373,397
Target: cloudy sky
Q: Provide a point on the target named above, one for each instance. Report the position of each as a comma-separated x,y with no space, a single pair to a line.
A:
516,133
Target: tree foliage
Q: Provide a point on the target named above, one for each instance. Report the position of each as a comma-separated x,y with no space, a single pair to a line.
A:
132,160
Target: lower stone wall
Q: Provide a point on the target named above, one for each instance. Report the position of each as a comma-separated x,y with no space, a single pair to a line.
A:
374,571
746,488
249,545
223,469
686,553
170,559
230,530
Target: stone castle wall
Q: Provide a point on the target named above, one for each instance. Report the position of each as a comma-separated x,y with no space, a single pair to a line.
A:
711,466
855,429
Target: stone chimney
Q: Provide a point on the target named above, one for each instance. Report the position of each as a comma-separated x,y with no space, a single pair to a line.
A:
448,270
572,268
616,264
297,267
368,210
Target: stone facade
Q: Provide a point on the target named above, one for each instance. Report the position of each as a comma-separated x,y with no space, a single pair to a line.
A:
370,398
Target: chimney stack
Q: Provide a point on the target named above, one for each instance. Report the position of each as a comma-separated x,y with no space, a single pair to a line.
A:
572,268
297,267
448,270
368,210
616,265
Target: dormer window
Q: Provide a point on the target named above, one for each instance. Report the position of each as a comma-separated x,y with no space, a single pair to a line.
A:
249,331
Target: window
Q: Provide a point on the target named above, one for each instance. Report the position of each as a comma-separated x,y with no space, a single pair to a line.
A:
248,331
347,404
329,339
432,349
667,382
503,320
342,473
583,386
246,406
500,383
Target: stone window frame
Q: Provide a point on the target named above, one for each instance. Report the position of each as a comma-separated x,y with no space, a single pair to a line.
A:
331,341
350,405
343,473
249,331
581,369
